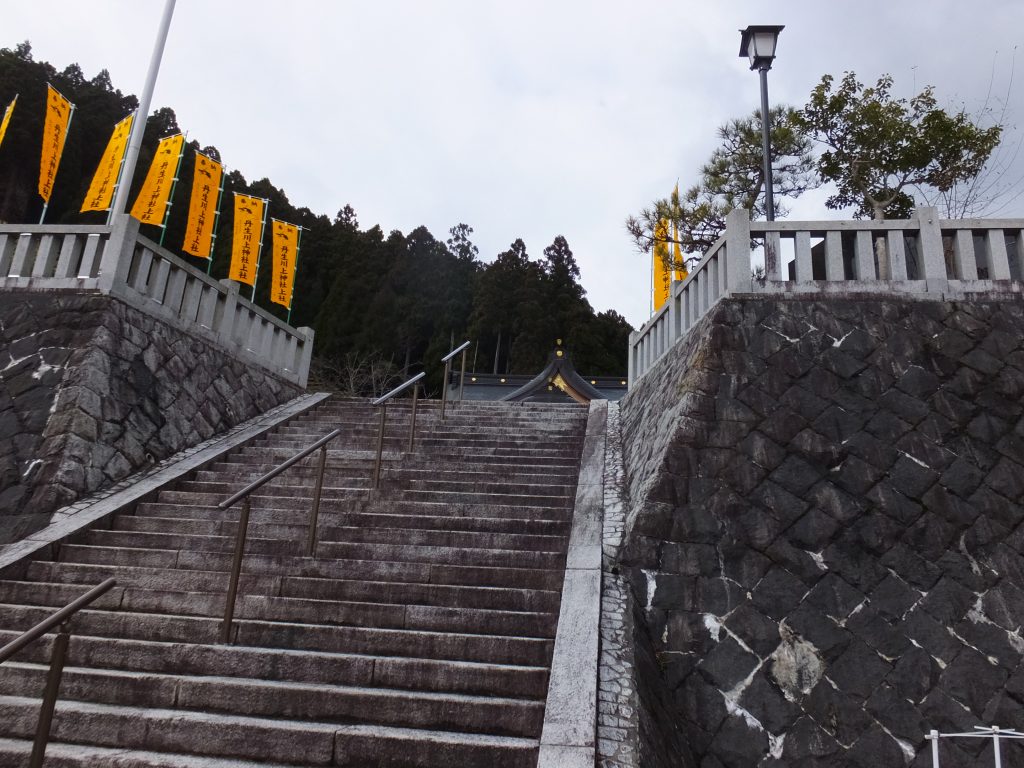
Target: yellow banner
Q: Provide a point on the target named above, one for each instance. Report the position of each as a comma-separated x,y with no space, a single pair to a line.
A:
286,254
662,273
679,266
55,131
151,204
202,207
245,243
7,118
101,190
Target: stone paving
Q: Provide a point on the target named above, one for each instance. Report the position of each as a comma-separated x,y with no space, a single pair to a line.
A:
616,697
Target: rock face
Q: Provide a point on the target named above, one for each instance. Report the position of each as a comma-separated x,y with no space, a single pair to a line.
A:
92,390
825,536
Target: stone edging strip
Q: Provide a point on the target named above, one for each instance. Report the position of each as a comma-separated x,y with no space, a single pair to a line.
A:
568,739
138,487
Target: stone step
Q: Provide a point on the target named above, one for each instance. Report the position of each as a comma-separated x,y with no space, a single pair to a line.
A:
412,515
456,497
497,485
355,568
265,740
359,590
294,665
15,753
247,470
527,506
492,649
394,550
285,700
327,530
373,612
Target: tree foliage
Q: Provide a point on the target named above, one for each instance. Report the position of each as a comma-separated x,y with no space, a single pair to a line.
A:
878,147
733,177
381,304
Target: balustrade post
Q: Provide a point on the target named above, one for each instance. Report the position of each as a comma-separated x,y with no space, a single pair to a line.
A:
737,251
929,241
53,677
117,254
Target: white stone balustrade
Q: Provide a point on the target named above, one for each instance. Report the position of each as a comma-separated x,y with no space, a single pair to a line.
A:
117,261
923,257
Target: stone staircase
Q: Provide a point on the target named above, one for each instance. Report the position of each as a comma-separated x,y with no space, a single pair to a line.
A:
420,635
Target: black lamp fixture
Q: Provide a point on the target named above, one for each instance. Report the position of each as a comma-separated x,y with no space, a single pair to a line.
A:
758,43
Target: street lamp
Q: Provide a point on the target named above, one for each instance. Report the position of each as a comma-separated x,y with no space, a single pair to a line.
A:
758,43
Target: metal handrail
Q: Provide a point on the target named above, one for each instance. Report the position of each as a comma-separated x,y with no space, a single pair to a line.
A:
264,479
400,388
455,351
383,401
243,520
59,619
447,360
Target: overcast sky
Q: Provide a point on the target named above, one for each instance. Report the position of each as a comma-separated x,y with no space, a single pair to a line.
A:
523,119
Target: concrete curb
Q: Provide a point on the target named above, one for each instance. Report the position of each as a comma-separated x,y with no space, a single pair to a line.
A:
144,485
568,739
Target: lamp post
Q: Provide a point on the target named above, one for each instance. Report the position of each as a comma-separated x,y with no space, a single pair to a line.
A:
758,43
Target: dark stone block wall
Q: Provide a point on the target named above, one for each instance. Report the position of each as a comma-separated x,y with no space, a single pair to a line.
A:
825,533
92,390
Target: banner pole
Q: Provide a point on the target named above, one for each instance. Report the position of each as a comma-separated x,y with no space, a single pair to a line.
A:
216,219
298,250
170,196
67,130
120,172
259,252
139,126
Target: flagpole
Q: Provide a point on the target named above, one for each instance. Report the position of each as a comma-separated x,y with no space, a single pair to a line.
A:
216,219
67,130
170,196
259,252
139,126
291,298
120,172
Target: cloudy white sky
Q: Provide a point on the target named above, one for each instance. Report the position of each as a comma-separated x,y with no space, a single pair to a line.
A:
524,119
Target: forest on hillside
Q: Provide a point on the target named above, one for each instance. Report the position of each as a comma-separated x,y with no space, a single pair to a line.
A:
390,302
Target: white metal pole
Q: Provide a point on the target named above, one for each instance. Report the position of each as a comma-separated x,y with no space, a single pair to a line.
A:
139,125
934,736
995,746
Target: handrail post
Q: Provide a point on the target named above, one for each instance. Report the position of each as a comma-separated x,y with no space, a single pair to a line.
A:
462,375
53,677
236,570
315,513
380,444
412,425
444,386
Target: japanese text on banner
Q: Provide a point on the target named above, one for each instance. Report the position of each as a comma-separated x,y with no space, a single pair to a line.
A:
286,250
245,242
202,207
101,190
55,130
151,204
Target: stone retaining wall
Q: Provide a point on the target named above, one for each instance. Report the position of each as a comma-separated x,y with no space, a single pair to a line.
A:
92,390
824,538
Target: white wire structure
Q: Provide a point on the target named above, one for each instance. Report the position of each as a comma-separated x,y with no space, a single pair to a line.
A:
993,732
